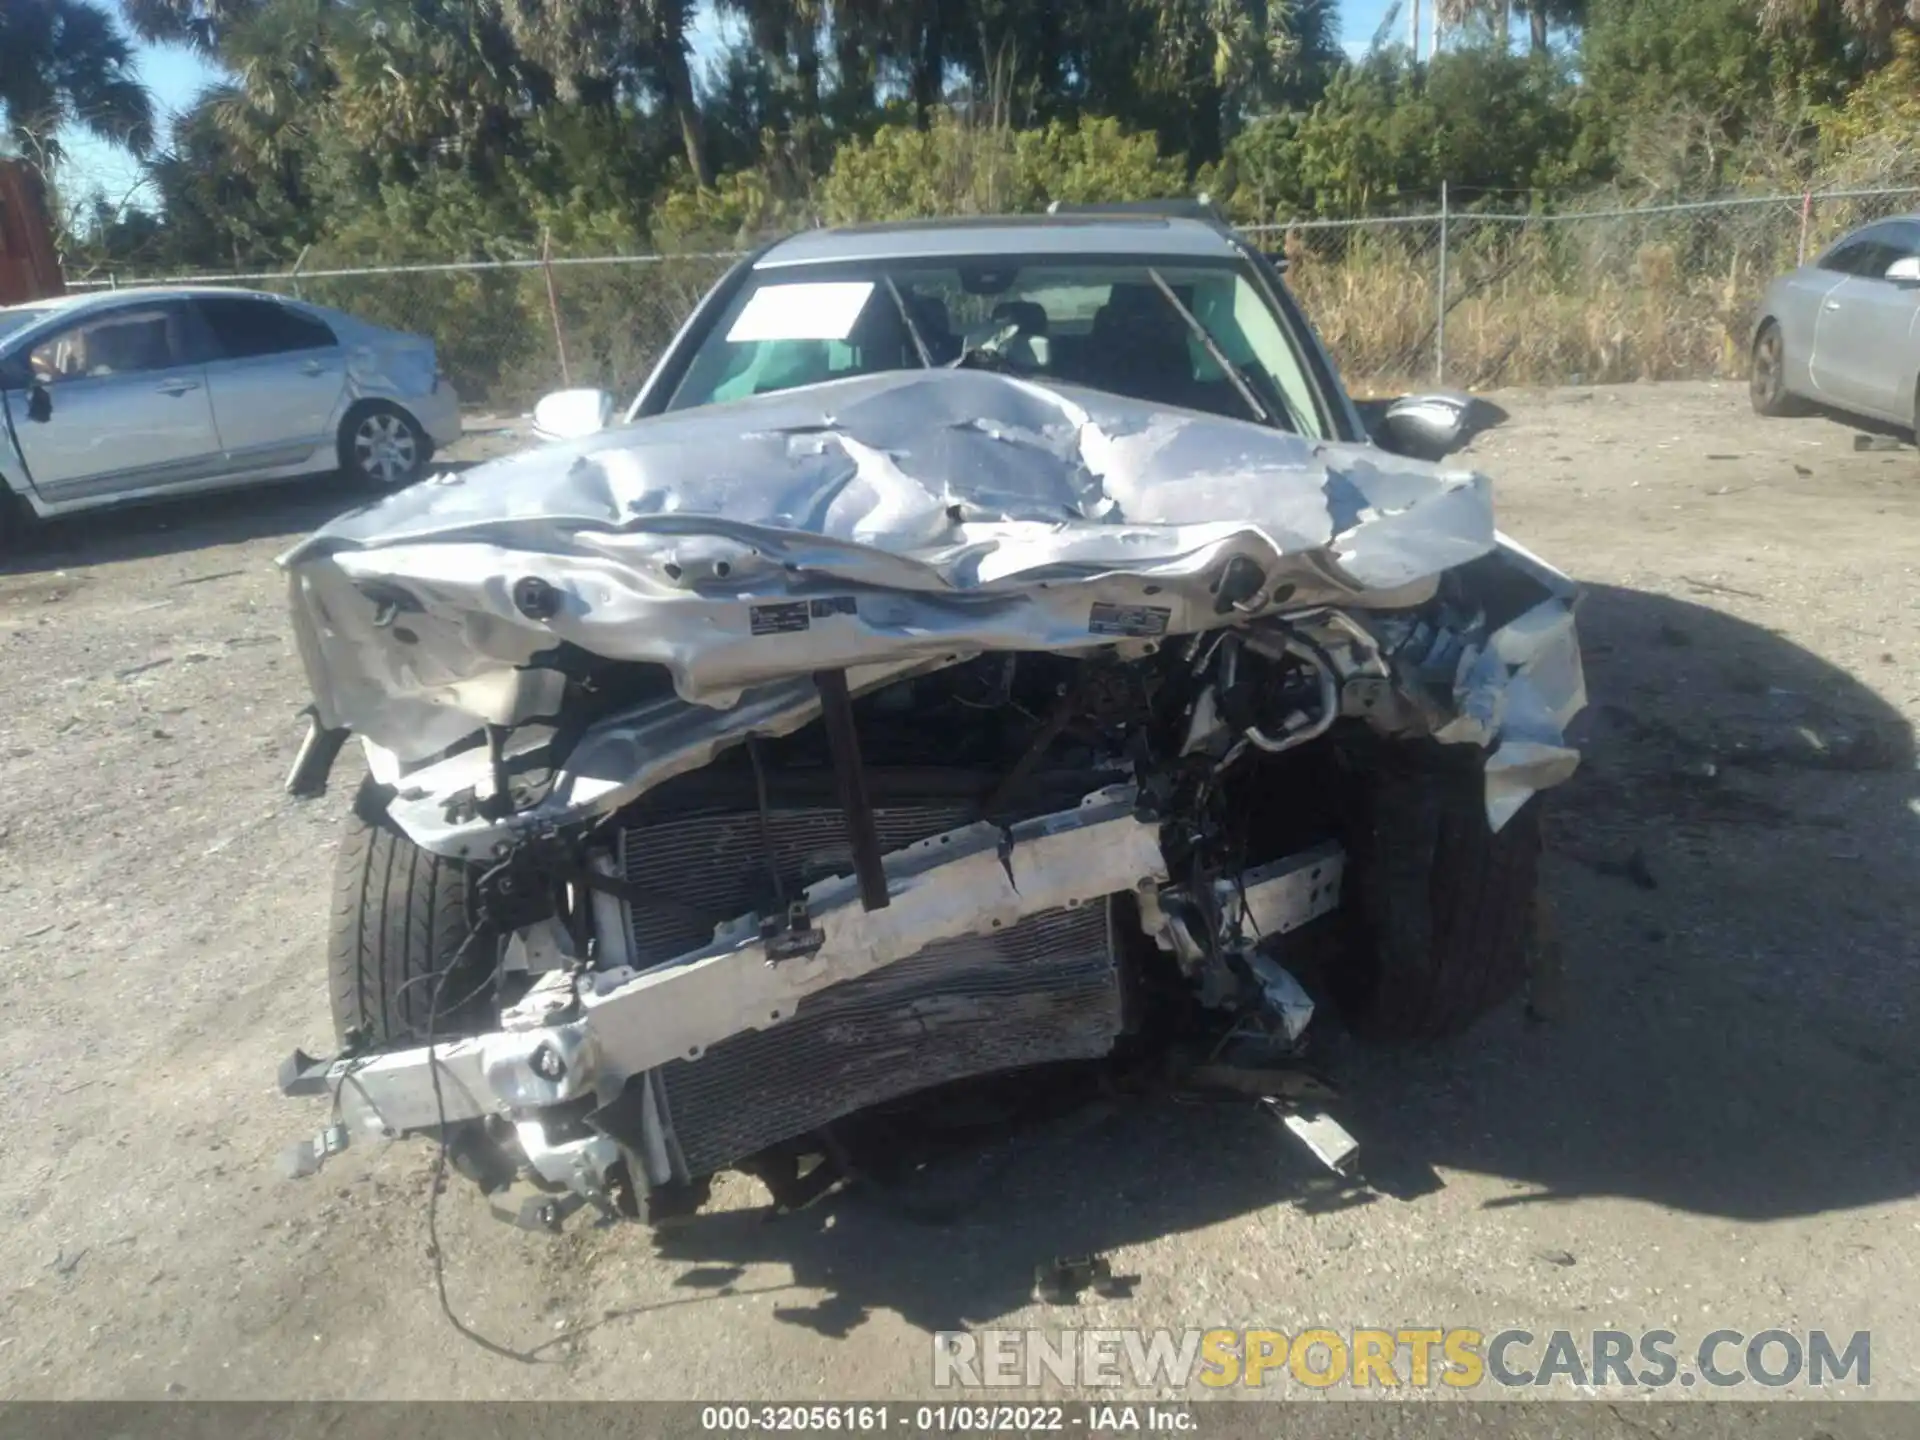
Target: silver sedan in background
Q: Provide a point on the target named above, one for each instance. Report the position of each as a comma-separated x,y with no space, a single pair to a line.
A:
144,393
1844,332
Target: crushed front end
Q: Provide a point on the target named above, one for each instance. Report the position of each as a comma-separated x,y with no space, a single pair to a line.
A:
801,755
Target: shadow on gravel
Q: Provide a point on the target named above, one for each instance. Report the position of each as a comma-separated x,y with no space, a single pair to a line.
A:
175,527
1732,876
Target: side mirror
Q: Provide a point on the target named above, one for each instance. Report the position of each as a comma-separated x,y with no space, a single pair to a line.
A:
1905,271
1427,427
39,404
572,414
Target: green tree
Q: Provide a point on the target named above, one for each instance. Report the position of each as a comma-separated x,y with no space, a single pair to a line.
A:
222,210
1543,15
1197,70
788,36
420,75
1878,21
1388,131
1686,98
199,24
954,167
65,63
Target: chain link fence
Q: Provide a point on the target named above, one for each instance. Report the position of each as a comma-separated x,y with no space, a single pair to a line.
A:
1466,298
1590,296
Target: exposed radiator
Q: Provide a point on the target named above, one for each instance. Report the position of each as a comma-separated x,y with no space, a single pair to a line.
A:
715,862
1042,991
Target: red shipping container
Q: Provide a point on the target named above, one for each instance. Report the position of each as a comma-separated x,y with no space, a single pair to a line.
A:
29,269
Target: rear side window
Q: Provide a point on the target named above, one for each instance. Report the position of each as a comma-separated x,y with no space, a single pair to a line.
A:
244,328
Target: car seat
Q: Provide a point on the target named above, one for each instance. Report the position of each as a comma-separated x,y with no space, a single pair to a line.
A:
1139,346
1030,345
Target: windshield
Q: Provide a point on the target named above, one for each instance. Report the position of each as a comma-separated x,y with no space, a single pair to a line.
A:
19,316
1104,324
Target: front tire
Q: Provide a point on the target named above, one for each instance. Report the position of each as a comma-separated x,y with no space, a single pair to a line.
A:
1767,376
17,522
382,447
1443,909
402,919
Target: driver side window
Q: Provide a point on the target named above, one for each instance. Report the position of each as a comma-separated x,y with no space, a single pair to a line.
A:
1847,257
1867,255
122,342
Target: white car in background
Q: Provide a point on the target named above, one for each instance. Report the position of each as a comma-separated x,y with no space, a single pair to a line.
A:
146,393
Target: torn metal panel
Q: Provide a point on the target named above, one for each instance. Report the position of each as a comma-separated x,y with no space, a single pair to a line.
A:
883,518
1517,694
1286,998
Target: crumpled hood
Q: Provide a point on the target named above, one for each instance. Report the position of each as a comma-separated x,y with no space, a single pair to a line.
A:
884,520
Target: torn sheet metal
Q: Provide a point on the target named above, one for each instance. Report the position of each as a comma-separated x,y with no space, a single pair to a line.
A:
1516,694
882,524
1286,998
883,518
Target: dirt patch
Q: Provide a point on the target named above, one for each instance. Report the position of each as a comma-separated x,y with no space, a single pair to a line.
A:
1721,1132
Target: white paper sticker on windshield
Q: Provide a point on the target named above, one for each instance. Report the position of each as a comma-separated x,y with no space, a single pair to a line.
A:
821,310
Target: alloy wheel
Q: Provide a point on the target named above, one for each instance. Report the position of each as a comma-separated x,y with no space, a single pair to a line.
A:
384,449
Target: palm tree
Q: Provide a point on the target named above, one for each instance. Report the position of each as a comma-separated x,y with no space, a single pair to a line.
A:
635,45
1454,14
1541,15
281,60
65,63
200,24
1200,67
788,34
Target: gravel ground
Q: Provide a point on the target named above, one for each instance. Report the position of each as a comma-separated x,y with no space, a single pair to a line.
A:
1719,1131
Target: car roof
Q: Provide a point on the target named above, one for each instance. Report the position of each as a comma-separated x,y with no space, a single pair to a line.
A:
1910,218
79,302
988,236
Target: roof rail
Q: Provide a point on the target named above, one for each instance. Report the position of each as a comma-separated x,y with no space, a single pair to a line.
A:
1201,208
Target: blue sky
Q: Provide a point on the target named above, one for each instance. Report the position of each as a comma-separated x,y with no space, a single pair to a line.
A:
176,75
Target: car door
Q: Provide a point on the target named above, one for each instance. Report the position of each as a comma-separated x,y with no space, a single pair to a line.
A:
1875,337
1862,337
276,375
114,403
1828,366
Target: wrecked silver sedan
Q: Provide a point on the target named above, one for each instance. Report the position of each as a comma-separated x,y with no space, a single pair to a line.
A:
754,765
